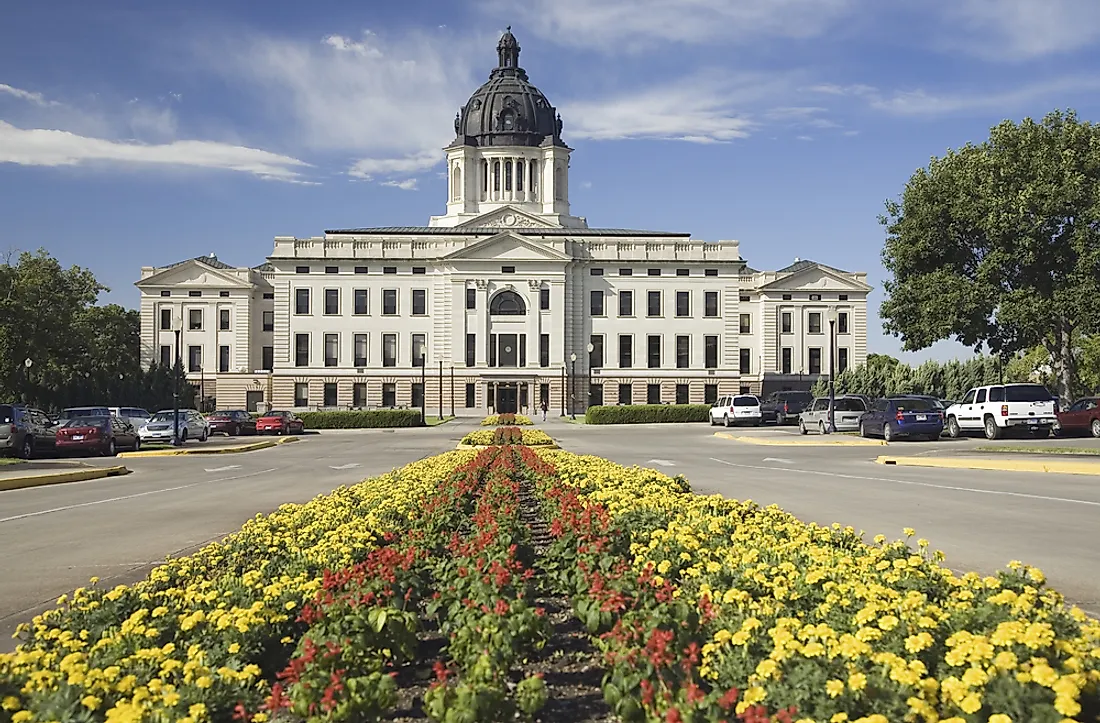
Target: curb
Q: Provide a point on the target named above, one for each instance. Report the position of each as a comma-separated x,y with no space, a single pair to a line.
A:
53,478
814,441
995,465
218,450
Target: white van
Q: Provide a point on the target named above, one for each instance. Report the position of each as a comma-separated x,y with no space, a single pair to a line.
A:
736,409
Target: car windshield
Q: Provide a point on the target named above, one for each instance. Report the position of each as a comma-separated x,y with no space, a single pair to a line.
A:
168,416
849,405
223,414
101,422
275,415
1027,393
914,405
74,412
806,396
746,402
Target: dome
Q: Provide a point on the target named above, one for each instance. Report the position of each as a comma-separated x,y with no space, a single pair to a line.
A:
508,110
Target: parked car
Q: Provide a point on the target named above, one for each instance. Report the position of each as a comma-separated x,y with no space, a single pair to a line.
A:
231,422
785,406
846,413
74,412
276,422
998,408
192,425
99,435
1083,416
904,416
134,415
26,431
737,409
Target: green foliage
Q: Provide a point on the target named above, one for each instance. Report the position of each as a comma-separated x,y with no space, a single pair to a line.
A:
647,413
998,245
945,380
362,419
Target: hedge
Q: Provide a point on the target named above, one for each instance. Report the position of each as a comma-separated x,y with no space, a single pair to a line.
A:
362,419
647,413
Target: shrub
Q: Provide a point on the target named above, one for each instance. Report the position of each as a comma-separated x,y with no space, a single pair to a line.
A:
362,419
507,420
647,413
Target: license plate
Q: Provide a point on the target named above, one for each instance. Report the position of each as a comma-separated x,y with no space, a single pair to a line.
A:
78,437
1033,421
922,417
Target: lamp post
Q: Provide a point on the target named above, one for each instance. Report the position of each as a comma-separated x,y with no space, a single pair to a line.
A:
588,394
177,327
573,387
423,389
832,371
27,364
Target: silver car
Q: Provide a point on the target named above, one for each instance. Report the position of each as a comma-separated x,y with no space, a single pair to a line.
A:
846,414
159,427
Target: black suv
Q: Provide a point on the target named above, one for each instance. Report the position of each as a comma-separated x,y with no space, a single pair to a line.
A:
784,407
25,431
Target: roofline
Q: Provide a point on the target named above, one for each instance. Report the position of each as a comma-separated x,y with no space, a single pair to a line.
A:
487,231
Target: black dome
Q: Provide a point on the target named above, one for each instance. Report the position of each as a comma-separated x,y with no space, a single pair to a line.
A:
508,110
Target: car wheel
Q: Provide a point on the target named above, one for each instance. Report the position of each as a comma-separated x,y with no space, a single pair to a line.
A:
862,430
821,427
711,418
727,421
204,435
111,449
780,420
237,431
992,431
27,450
953,430
183,436
1095,428
137,444
801,427
887,433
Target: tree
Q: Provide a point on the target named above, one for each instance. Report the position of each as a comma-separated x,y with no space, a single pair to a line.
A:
998,245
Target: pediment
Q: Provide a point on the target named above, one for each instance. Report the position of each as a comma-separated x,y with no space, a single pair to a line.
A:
508,217
507,246
817,278
194,274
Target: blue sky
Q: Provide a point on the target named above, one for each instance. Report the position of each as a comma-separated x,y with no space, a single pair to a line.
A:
146,133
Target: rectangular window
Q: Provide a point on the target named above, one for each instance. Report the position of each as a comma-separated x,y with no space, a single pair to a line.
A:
389,302
195,320
815,360
269,294
301,394
842,323
194,294
471,298
626,394
223,319
596,272
544,350
626,303
329,394
710,351
194,358
653,272
544,299
332,269
267,358
683,272
653,351
745,389
785,367
301,301
332,350
743,298
419,350
332,301
785,320
389,394
165,318
815,297
745,360
786,297
683,352
389,269
626,351
301,269
710,304
815,322
652,393
419,270
710,394
683,303
746,323
360,298
653,303
360,350
471,395
223,358
710,272
360,269
841,360
420,302
359,395
595,357
682,393
417,394
389,352
522,350
269,321
492,352
301,350
507,269
165,292
596,303
626,272
471,350
165,355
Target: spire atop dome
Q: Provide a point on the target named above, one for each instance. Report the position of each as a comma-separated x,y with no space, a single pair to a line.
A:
508,50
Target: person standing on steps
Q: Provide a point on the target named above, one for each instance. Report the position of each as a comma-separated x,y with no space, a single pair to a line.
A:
544,407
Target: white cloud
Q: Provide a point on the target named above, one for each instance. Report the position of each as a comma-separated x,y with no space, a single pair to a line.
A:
804,138
834,89
368,168
43,147
29,96
924,103
348,45
1020,30
408,184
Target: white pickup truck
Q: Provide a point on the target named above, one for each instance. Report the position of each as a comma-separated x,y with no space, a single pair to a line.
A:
998,407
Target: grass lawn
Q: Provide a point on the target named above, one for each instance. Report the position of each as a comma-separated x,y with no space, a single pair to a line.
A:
578,420
1076,451
10,460
436,421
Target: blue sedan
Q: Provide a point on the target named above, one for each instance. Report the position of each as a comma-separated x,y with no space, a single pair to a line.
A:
896,417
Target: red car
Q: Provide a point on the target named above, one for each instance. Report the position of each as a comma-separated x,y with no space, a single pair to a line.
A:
1082,417
279,423
98,435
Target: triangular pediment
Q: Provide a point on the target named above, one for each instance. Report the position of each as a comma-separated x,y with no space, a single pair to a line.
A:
196,275
508,217
507,246
816,278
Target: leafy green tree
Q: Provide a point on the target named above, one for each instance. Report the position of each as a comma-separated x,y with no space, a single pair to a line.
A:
998,244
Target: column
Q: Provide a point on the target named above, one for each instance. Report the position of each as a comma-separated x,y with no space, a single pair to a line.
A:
481,325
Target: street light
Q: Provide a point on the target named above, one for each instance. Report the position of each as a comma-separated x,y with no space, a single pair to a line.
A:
573,388
27,364
588,396
832,371
177,327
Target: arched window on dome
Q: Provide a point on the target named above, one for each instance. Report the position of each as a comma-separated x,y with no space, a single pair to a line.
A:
456,183
507,120
507,303
559,183
507,175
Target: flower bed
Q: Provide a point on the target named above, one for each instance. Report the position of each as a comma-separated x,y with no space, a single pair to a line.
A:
507,420
507,435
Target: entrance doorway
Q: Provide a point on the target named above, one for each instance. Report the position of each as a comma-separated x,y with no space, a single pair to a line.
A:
507,401
253,399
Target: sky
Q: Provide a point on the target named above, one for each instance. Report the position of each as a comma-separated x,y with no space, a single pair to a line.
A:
139,134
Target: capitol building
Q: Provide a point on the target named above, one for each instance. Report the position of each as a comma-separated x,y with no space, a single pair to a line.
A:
504,300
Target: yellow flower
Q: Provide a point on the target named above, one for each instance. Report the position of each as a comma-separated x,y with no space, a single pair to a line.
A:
11,703
857,681
204,682
999,718
909,531
834,688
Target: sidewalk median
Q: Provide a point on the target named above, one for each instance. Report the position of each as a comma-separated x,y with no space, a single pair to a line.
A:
52,478
1056,466
805,441
177,451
